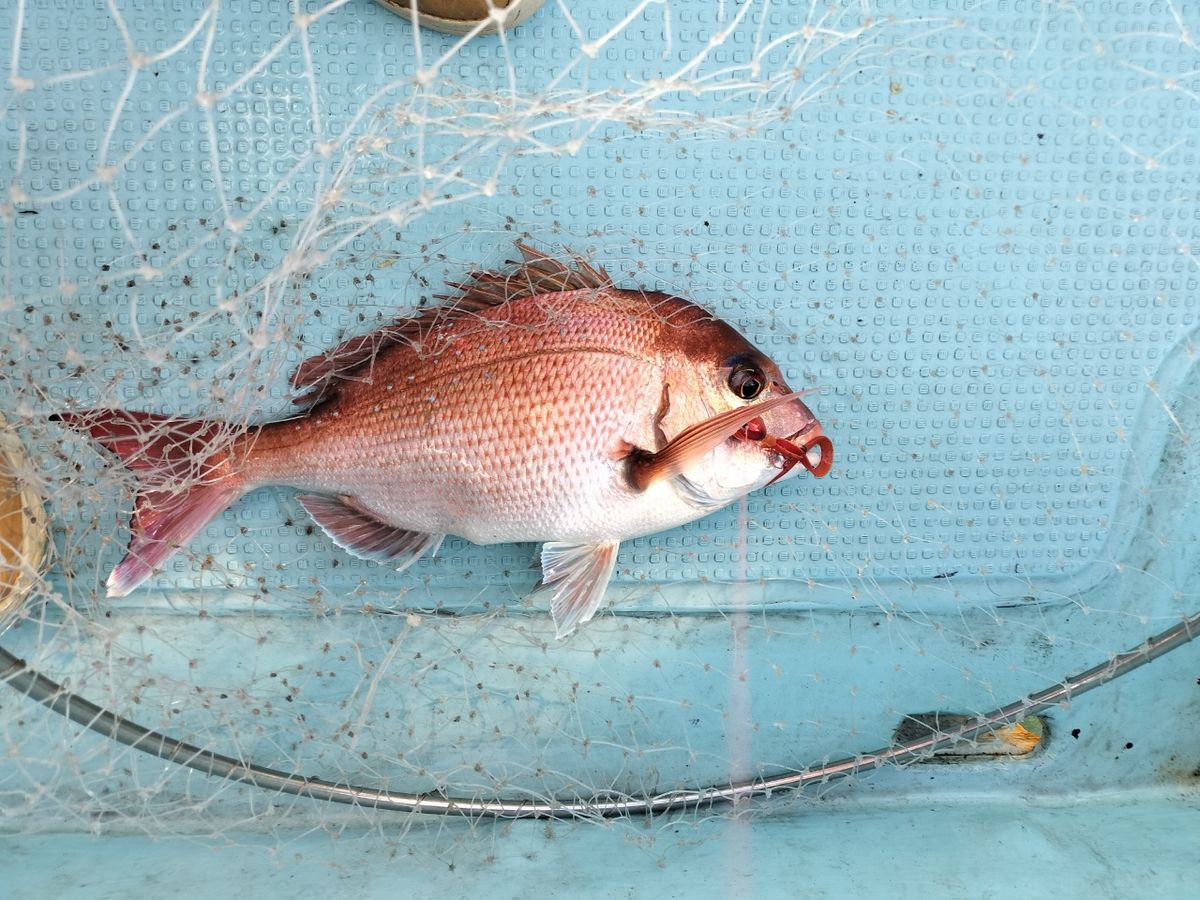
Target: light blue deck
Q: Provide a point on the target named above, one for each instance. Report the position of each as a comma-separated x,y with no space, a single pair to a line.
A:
984,849
982,242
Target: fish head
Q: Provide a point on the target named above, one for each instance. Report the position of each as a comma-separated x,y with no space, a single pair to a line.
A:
770,445
713,369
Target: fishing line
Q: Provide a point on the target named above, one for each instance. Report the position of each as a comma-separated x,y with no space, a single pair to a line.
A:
46,691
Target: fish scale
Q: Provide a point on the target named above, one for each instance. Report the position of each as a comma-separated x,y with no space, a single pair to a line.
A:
470,449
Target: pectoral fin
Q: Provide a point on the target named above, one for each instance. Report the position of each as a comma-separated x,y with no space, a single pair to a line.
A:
691,444
578,575
357,531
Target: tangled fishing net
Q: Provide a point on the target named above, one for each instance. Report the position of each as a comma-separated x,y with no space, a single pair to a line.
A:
969,231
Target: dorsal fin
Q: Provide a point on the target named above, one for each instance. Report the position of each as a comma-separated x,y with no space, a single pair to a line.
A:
535,274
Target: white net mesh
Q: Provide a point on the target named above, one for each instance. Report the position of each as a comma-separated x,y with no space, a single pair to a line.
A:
975,232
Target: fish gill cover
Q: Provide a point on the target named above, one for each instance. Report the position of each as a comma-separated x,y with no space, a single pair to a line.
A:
975,232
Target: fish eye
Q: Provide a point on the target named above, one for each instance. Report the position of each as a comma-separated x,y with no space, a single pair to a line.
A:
747,381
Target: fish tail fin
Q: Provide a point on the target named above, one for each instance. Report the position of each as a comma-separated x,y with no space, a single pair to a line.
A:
183,482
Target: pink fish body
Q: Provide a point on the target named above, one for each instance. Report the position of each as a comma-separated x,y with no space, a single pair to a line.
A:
543,405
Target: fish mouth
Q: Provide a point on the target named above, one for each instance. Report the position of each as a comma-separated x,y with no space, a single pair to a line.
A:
809,447
816,447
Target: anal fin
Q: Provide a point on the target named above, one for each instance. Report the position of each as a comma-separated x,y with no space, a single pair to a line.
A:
578,575
359,532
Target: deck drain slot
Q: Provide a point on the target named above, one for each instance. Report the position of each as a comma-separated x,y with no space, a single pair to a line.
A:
1017,741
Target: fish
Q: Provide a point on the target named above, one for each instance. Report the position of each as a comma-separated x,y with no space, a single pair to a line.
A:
541,403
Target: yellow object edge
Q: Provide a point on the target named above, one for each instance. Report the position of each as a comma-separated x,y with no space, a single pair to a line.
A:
23,524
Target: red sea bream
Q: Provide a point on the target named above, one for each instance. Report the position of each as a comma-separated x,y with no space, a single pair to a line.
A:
542,404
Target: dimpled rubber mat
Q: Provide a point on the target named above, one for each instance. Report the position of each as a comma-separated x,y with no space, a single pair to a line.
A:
970,229
974,232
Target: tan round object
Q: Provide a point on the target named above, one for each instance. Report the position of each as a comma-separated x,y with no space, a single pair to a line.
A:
461,16
23,526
